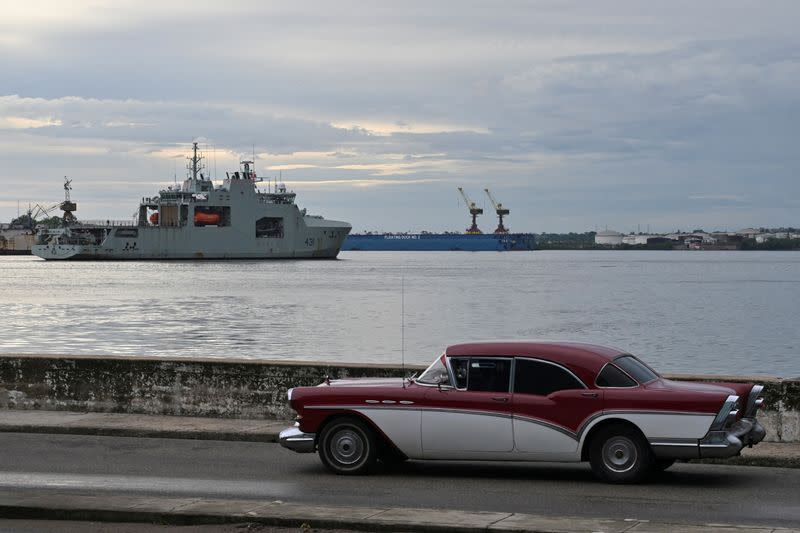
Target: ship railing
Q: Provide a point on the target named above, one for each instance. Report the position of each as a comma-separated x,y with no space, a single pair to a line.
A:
108,222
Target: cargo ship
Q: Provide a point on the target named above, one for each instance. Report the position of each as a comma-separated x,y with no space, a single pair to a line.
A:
472,240
200,220
439,242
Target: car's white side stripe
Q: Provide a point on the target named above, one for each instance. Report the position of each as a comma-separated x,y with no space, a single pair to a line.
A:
432,432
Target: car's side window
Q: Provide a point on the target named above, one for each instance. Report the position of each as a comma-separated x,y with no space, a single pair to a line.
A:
489,374
611,376
540,378
460,366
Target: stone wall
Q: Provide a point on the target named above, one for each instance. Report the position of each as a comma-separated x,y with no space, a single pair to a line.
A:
227,388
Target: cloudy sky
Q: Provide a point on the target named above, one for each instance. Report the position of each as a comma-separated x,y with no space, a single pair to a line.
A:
577,114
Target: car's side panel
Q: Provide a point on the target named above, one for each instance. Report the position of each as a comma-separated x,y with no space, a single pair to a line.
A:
401,426
549,424
446,434
656,425
542,441
455,421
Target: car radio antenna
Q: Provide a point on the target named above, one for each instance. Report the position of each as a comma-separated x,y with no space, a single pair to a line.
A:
403,324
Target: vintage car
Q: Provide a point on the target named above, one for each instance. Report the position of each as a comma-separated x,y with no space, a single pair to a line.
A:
526,401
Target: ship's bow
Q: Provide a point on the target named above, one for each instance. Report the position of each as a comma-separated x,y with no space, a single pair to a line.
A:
57,251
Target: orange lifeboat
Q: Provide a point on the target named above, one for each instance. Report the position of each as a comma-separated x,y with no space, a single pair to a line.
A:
206,218
154,218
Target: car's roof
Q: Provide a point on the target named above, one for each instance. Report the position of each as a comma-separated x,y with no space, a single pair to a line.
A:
583,359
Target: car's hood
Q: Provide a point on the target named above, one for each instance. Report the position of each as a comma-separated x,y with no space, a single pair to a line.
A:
364,382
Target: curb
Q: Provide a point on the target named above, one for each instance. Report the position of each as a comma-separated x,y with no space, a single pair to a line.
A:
197,512
268,436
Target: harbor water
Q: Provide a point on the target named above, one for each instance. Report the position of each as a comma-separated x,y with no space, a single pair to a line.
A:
683,312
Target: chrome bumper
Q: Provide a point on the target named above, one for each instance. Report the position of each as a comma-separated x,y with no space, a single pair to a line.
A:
728,443
719,444
294,439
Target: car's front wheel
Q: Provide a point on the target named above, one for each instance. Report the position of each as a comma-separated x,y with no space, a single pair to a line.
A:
619,454
347,446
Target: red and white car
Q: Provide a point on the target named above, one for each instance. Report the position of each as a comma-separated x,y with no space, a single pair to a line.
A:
526,401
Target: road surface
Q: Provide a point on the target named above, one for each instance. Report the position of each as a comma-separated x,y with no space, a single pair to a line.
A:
687,493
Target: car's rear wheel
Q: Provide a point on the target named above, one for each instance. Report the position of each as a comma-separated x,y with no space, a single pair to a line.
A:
347,446
620,454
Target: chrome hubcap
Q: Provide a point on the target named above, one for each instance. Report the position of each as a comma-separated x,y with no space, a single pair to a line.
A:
619,454
347,447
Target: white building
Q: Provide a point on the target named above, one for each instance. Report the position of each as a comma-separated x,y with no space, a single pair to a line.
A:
608,238
637,239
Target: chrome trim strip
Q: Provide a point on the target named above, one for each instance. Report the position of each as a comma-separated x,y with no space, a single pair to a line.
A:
289,393
512,375
415,408
466,411
692,444
547,424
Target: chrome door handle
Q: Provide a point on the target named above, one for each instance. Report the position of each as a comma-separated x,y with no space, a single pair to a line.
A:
589,394
500,399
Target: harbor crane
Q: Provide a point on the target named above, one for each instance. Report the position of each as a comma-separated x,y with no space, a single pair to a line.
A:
501,212
474,210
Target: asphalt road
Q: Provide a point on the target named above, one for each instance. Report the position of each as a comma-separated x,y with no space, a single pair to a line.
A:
687,493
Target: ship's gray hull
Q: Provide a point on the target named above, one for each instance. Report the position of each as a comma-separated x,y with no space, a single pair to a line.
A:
307,242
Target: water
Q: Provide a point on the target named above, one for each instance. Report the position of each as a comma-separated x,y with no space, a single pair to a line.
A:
687,312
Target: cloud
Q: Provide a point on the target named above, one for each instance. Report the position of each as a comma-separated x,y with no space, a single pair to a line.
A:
577,113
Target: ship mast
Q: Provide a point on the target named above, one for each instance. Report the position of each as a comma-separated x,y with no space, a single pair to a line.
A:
195,166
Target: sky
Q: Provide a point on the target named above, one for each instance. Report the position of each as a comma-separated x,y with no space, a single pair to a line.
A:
577,115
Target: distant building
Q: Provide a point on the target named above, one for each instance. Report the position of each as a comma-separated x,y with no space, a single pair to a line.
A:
638,239
608,238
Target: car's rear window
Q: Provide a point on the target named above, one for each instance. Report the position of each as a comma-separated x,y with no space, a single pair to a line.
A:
611,376
635,368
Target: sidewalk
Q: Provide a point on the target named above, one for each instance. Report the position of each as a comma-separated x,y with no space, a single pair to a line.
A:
786,455
189,511
127,425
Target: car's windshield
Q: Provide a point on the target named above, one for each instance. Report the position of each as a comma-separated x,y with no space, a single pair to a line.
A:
635,368
436,374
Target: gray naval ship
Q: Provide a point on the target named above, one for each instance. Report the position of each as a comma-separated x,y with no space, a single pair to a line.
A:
196,220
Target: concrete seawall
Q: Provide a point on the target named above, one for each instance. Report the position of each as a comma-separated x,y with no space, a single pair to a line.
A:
245,388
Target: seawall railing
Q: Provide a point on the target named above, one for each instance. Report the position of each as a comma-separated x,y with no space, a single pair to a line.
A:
238,388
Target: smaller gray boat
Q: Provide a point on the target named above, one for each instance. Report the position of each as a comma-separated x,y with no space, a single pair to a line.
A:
196,220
